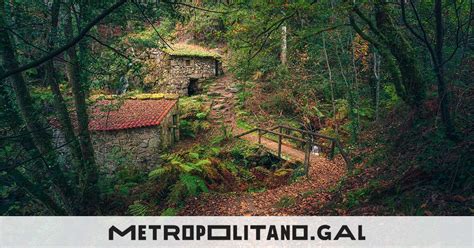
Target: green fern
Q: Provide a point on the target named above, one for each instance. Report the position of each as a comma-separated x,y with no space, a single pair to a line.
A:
177,193
159,172
194,184
190,167
203,162
193,155
138,209
187,185
169,212
214,151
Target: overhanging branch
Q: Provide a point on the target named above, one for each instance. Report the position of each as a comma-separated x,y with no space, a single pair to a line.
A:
70,44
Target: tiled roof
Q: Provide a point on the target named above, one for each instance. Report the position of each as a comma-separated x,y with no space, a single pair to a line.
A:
116,115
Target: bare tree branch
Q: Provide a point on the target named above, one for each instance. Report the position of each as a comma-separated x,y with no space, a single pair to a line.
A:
196,7
109,47
151,23
70,44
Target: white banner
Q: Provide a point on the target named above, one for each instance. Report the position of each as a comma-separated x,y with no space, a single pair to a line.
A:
236,231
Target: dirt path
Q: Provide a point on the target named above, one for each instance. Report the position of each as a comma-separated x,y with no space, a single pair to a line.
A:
323,173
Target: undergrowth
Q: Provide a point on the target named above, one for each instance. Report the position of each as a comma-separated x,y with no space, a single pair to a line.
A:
221,167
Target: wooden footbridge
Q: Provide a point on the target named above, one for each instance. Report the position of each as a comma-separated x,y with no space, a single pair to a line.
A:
305,139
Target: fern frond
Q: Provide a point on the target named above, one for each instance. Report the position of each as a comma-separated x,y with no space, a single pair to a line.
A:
193,184
159,172
138,209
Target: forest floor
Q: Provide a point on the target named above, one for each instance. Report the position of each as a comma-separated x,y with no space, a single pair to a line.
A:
289,199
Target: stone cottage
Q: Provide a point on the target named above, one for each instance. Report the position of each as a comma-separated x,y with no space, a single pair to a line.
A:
133,131
182,70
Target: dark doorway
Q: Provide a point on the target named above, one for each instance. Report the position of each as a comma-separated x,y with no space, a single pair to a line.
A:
193,88
216,67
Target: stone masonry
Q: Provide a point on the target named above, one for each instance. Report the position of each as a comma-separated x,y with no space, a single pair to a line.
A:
141,146
174,73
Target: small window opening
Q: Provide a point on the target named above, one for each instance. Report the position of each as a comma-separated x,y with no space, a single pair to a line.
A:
193,87
188,62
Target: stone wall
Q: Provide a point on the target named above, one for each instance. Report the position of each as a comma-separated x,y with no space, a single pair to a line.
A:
172,74
139,146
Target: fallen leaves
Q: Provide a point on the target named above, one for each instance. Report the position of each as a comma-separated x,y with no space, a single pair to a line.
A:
323,175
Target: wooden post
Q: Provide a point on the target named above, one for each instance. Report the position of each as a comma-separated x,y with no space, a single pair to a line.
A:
306,157
174,128
259,136
333,148
279,143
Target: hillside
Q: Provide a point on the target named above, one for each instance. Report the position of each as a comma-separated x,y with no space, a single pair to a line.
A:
236,108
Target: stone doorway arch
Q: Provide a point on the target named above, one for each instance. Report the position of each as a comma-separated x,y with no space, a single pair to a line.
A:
193,87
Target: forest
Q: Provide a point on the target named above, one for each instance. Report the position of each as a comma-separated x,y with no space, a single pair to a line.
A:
236,107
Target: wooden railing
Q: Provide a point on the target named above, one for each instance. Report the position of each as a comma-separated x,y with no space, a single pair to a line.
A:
307,140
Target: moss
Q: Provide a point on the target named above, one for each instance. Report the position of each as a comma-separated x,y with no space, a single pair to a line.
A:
191,51
283,172
135,96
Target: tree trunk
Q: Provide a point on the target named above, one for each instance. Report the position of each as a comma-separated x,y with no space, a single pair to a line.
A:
283,45
31,116
58,100
377,84
89,176
412,80
331,83
37,190
443,95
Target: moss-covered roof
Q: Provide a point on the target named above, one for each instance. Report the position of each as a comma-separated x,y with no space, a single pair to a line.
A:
182,49
134,96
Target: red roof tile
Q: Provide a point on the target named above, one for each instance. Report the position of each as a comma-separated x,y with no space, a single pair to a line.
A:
114,115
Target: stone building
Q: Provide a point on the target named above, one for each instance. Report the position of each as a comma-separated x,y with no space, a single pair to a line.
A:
133,131
182,70
129,132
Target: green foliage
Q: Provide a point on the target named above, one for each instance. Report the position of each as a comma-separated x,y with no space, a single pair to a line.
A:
187,185
357,196
297,173
257,190
286,202
138,209
186,129
193,117
158,172
201,115
208,27
148,37
225,135
169,212
42,95
308,193
244,125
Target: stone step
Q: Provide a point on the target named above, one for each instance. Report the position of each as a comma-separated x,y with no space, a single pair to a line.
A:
220,100
218,106
232,90
228,95
211,93
218,89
